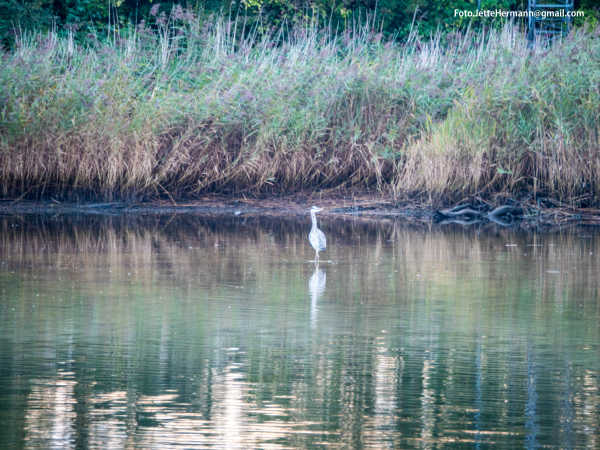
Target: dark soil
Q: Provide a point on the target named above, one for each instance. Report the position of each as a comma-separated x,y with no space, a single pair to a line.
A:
506,213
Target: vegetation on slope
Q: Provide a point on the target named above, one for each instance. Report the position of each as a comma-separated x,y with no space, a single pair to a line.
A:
194,106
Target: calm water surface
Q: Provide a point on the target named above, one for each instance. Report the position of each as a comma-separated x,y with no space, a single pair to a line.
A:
194,332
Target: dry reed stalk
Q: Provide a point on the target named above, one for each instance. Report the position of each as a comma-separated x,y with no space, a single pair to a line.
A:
479,115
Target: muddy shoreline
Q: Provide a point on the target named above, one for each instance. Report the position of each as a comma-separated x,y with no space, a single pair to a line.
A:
370,207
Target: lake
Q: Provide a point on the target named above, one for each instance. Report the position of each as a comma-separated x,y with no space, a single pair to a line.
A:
193,332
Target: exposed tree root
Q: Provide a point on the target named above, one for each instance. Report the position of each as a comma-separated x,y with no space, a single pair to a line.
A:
467,214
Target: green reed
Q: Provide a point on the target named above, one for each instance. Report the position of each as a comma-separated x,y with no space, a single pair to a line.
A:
195,105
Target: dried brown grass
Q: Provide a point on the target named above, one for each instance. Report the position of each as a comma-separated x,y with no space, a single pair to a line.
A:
482,115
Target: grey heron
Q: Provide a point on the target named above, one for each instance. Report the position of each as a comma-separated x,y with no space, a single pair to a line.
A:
316,237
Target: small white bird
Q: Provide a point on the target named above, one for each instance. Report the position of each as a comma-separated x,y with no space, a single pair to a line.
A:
316,237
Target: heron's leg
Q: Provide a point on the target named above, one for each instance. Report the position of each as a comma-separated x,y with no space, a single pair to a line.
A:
317,256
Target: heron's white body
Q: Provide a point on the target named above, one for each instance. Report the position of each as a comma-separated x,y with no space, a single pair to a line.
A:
316,237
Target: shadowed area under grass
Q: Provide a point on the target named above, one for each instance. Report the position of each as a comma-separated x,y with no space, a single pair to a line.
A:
194,107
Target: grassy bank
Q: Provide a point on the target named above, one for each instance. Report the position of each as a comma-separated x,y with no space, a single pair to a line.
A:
190,107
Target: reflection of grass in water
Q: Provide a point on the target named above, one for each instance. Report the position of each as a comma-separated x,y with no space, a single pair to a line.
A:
476,280
230,254
159,310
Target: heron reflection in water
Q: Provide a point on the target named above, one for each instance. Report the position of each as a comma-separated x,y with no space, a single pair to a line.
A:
316,287
316,237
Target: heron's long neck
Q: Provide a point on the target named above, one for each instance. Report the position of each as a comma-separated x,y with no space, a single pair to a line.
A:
313,216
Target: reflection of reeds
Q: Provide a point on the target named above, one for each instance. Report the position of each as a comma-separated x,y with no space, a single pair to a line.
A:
372,260
219,308
212,112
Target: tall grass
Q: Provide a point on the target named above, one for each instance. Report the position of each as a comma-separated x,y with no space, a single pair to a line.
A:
195,105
